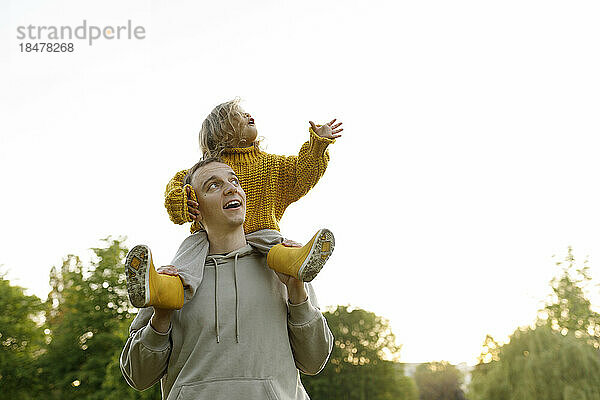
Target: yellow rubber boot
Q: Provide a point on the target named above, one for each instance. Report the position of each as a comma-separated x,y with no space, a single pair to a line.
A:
146,287
305,262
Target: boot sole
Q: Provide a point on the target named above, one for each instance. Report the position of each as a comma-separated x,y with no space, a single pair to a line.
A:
137,272
319,254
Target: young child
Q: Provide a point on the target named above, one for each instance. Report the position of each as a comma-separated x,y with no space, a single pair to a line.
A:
271,183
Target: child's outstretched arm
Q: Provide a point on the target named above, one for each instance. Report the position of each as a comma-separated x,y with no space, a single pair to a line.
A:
301,173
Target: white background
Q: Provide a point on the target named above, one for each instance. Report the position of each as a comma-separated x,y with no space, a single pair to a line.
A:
469,156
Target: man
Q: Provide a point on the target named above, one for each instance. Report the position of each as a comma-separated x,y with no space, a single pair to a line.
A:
245,332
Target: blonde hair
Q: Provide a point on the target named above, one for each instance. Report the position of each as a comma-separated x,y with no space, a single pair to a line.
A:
218,131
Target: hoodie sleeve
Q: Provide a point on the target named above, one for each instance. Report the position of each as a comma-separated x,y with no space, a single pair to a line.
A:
145,356
309,334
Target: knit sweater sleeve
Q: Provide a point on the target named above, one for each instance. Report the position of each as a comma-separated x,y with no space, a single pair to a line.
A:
176,199
310,336
299,174
145,357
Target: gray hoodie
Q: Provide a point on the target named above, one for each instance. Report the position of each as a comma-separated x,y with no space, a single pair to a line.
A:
237,338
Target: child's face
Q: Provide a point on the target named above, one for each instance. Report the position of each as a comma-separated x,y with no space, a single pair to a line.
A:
244,126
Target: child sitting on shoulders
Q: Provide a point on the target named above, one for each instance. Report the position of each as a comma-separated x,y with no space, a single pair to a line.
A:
271,183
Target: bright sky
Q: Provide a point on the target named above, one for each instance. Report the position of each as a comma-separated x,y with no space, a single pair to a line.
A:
468,157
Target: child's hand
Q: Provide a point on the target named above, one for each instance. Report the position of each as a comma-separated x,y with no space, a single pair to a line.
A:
329,130
193,209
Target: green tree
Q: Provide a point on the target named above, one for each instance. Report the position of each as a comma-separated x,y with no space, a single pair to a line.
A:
570,310
363,361
539,363
558,359
439,381
87,318
21,339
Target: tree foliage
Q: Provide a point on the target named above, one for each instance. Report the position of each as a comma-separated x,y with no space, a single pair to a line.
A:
570,310
363,361
439,381
539,363
556,359
87,315
21,340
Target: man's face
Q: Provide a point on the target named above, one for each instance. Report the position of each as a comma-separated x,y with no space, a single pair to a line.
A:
221,199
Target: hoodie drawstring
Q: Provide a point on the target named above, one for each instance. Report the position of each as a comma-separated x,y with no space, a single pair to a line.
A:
237,322
216,297
237,333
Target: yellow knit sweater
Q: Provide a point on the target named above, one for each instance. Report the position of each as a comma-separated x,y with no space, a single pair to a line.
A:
271,182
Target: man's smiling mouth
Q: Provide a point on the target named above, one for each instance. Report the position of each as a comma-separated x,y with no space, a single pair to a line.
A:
232,204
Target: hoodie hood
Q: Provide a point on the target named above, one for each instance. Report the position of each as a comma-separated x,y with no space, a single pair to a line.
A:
221,258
